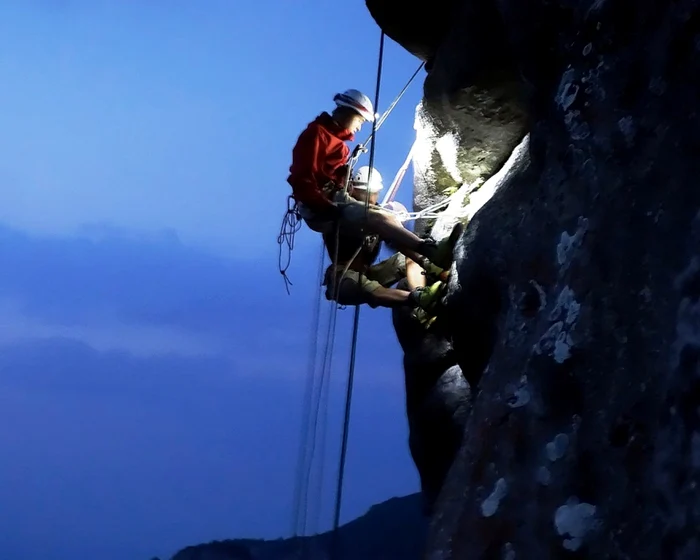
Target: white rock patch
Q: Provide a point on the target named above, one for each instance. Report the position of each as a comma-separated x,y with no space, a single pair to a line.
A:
573,521
490,505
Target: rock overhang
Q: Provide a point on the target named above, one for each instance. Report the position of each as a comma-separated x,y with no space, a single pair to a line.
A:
474,108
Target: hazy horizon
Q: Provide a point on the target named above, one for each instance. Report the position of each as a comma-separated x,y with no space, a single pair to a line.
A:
152,364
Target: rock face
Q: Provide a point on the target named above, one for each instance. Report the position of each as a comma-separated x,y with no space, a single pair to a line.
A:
462,142
574,309
437,401
419,35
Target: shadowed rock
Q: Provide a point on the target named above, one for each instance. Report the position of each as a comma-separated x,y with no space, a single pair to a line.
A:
409,23
473,112
577,283
437,401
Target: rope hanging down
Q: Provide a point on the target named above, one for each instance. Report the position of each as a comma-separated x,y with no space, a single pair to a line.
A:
319,392
302,458
355,328
380,122
291,224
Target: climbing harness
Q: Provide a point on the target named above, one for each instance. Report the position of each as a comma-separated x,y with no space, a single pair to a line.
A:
316,394
355,327
317,390
291,221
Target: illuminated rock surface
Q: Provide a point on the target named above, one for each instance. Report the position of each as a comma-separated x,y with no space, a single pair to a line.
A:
577,283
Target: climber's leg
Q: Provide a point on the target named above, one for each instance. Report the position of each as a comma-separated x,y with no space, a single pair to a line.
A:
387,227
424,266
355,288
414,275
389,271
387,297
315,221
354,217
425,298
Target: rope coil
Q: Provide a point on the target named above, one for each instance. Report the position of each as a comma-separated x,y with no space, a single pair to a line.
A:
355,327
291,224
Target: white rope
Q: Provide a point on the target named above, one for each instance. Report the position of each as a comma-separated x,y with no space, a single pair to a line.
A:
429,212
453,208
459,210
396,183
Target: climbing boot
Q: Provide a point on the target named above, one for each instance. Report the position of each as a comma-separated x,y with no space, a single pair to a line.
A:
423,317
427,297
434,272
440,253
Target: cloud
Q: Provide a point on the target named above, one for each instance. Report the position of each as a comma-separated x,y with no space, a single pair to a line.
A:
139,340
143,294
114,456
151,393
143,453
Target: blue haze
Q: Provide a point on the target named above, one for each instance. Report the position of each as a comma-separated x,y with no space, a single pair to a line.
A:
152,365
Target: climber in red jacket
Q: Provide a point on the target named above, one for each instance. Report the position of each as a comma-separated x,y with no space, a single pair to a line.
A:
317,176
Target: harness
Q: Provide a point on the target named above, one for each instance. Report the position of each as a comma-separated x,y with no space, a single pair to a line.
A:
316,402
351,249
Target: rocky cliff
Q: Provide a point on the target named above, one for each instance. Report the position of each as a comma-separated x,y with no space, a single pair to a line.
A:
573,306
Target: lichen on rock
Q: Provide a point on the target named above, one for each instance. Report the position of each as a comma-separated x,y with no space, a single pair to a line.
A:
579,273
438,400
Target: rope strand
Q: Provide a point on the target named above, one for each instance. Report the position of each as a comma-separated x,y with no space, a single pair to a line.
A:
302,458
318,393
355,330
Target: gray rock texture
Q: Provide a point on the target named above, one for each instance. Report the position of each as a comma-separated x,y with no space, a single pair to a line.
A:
437,401
574,309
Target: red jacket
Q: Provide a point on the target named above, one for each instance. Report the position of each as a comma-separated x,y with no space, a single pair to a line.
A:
318,157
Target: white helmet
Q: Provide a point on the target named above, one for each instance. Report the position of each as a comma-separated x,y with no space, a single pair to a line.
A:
362,181
356,100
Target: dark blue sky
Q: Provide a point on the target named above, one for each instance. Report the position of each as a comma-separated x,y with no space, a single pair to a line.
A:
152,365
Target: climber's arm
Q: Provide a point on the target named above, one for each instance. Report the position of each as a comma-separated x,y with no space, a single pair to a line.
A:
388,297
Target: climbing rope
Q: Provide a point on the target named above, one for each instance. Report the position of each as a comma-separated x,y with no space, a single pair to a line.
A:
356,322
396,183
291,224
300,490
393,104
316,394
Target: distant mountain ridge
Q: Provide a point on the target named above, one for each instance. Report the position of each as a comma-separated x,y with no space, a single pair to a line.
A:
392,530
